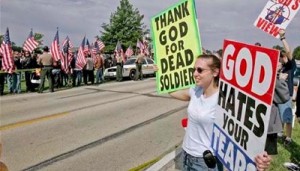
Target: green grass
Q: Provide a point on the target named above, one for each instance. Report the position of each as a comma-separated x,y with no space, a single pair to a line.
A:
23,85
287,154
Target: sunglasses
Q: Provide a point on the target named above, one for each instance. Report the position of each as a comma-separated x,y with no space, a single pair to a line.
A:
199,70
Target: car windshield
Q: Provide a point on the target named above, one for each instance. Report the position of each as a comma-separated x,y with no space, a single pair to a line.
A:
129,62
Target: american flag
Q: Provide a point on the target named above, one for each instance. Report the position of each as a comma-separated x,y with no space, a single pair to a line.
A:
129,52
54,50
8,64
87,47
1,50
141,46
118,48
81,61
119,51
100,44
66,54
95,48
67,46
145,50
30,44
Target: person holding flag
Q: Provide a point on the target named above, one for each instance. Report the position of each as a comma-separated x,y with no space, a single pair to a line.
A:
98,59
119,53
8,64
66,59
99,64
66,55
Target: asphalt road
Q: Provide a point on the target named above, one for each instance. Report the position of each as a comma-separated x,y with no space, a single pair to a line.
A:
113,126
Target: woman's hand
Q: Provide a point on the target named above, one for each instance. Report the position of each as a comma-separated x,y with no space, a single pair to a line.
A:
281,33
263,161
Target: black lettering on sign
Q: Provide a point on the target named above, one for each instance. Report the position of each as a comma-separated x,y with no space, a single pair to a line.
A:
222,94
176,79
173,16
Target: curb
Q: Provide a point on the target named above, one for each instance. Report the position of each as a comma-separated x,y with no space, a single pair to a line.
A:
167,161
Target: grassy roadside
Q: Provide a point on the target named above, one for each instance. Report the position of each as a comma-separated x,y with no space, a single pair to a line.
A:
287,154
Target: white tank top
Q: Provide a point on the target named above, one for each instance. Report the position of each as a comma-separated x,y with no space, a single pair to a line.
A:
201,116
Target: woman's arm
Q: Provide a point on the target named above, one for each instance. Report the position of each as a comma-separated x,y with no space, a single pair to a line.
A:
285,45
183,95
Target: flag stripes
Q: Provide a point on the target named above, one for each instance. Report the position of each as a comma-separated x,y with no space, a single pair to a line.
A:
30,44
7,61
80,60
129,52
54,50
66,55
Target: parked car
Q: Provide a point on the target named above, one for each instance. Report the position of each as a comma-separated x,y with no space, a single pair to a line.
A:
129,69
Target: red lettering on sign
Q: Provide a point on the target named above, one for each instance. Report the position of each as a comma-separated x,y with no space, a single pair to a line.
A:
250,68
268,27
285,2
296,5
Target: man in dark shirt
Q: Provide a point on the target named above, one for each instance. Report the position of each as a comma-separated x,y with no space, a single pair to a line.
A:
288,69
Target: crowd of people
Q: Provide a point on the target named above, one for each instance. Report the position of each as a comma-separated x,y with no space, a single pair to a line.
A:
36,67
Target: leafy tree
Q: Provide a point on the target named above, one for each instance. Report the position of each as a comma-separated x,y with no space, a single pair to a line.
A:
278,47
296,53
38,37
125,26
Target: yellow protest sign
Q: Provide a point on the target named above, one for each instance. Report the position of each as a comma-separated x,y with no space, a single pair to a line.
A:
176,44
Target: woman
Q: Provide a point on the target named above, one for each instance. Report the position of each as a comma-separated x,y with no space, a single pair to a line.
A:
203,100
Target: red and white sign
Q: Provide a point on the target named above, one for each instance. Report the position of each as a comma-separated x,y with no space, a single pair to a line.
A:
246,88
276,15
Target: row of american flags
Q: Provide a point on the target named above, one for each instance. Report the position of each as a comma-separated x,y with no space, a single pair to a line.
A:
65,54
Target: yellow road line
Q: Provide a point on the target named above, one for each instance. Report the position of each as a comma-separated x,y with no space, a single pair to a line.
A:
32,121
145,165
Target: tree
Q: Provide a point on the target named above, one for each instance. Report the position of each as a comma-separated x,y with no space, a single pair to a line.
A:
125,26
38,37
278,47
296,53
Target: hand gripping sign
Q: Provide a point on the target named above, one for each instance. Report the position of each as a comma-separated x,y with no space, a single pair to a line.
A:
276,15
176,44
247,81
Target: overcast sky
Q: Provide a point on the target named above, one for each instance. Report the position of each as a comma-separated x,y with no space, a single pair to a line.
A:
218,19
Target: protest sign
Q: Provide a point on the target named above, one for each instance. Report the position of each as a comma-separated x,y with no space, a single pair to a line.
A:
246,88
276,15
176,44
